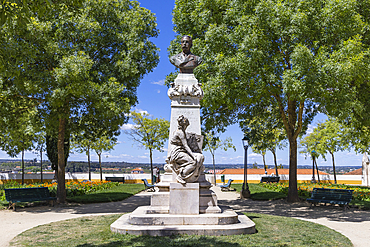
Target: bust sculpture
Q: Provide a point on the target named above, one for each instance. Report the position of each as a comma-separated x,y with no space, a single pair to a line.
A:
186,61
185,158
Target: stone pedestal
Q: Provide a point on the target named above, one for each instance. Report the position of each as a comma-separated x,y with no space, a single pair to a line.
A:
185,95
184,199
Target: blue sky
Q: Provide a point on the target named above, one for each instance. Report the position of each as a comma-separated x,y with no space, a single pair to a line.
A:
152,95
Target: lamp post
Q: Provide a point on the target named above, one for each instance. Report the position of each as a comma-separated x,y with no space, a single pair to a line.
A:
313,180
245,193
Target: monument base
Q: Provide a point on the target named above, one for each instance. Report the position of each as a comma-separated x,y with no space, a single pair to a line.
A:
140,222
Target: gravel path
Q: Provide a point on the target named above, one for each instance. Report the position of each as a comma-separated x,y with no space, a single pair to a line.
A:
355,224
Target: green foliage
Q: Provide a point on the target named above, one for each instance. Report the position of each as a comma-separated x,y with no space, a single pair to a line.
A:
151,133
327,137
52,150
295,56
79,65
359,193
212,142
21,11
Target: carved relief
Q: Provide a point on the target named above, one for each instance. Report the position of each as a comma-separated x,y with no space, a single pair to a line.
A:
185,90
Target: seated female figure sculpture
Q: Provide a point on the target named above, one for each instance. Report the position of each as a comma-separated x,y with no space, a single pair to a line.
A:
185,157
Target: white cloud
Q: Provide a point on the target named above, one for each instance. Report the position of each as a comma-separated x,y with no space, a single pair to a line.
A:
158,91
310,128
253,155
142,157
161,82
127,126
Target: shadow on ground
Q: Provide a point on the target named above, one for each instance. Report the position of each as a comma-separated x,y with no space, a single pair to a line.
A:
299,210
125,206
167,241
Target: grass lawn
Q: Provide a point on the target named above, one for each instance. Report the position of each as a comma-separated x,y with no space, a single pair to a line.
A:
95,231
259,192
117,193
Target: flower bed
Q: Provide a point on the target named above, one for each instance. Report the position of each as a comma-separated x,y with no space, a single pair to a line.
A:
305,189
73,188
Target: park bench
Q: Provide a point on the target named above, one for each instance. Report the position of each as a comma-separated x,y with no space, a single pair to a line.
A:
27,195
332,196
148,187
115,179
226,187
270,179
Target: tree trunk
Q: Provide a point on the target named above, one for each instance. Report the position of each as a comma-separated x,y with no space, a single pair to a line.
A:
317,170
214,168
88,161
61,189
151,164
41,164
293,188
101,172
22,167
264,162
335,174
275,161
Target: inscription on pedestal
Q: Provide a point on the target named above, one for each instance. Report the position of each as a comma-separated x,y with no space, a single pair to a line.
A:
184,199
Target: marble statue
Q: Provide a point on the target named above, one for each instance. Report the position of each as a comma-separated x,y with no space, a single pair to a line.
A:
185,157
186,61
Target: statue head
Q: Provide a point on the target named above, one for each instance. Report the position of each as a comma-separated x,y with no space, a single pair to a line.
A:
183,121
186,43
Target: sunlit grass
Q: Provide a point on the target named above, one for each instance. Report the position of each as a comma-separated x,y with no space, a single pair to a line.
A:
95,231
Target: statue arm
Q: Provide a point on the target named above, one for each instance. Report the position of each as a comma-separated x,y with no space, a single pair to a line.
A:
185,144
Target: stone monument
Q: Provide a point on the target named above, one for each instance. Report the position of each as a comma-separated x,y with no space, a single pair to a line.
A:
184,202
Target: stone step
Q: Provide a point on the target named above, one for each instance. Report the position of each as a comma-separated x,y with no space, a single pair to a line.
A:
123,226
143,216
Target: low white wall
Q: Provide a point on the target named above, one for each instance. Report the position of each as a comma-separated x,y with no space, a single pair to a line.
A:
136,178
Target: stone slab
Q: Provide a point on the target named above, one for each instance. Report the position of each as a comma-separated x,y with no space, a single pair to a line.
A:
160,199
244,226
184,199
144,216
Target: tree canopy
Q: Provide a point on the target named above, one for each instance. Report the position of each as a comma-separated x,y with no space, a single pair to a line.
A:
79,65
327,137
150,133
213,142
271,52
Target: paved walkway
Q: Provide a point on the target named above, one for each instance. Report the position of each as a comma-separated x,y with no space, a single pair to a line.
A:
354,224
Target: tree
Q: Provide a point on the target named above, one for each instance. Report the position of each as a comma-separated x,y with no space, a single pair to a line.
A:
151,133
264,131
21,11
103,144
268,52
84,146
327,137
40,147
212,143
80,65
52,151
